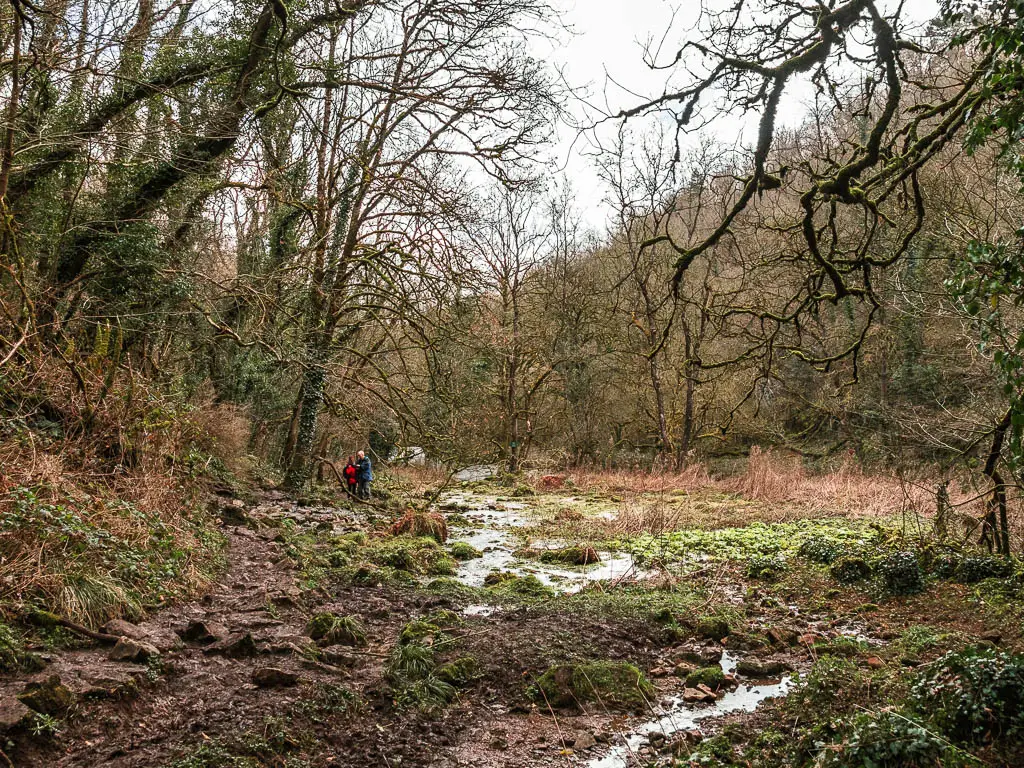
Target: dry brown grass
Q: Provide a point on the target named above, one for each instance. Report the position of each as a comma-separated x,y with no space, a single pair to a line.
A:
773,487
94,499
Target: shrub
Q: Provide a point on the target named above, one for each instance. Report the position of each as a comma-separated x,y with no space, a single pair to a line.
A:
831,680
975,568
614,684
416,555
821,549
850,570
13,656
765,566
919,638
974,695
900,573
893,740
330,629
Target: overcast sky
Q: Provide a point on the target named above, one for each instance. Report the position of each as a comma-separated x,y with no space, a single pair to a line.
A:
603,54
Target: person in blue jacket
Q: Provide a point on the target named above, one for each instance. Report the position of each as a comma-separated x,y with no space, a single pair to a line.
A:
364,475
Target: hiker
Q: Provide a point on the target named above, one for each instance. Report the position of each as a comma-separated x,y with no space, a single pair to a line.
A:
350,473
364,475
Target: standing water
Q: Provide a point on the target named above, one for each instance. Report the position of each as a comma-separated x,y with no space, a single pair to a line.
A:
679,716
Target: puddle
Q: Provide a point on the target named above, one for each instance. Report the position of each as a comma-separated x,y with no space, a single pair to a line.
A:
481,610
495,536
679,716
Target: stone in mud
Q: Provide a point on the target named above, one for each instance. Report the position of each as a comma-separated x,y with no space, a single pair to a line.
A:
164,640
203,632
338,656
238,646
584,740
48,696
233,513
782,636
712,677
683,669
697,696
713,628
136,651
760,670
12,715
497,577
288,598
273,677
122,628
103,685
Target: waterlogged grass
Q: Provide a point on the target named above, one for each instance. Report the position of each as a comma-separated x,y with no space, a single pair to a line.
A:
758,540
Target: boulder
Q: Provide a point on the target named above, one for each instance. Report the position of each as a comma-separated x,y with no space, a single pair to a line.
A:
203,632
136,651
338,656
584,740
233,513
782,636
237,646
122,628
760,669
697,696
12,714
47,696
273,677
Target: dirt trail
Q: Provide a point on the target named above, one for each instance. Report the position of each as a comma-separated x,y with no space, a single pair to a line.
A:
257,617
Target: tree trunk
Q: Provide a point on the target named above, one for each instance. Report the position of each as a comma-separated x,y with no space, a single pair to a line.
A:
311,400
995,530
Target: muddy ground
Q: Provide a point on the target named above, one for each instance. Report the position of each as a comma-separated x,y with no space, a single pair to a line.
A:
234,678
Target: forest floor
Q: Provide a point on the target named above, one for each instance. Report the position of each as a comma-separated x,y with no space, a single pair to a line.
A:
337,638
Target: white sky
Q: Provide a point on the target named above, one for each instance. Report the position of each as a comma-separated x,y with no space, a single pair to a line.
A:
604,56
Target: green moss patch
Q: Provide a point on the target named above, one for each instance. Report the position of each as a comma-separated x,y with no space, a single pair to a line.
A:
616,685
462,550
412,554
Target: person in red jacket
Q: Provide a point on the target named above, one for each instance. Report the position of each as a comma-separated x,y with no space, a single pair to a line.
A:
350,472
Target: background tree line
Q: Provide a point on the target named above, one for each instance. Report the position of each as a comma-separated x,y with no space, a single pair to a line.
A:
322,223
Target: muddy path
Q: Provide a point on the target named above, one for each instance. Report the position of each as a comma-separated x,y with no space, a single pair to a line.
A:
235,678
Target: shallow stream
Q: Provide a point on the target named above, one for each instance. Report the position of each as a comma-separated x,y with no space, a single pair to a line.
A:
678,716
